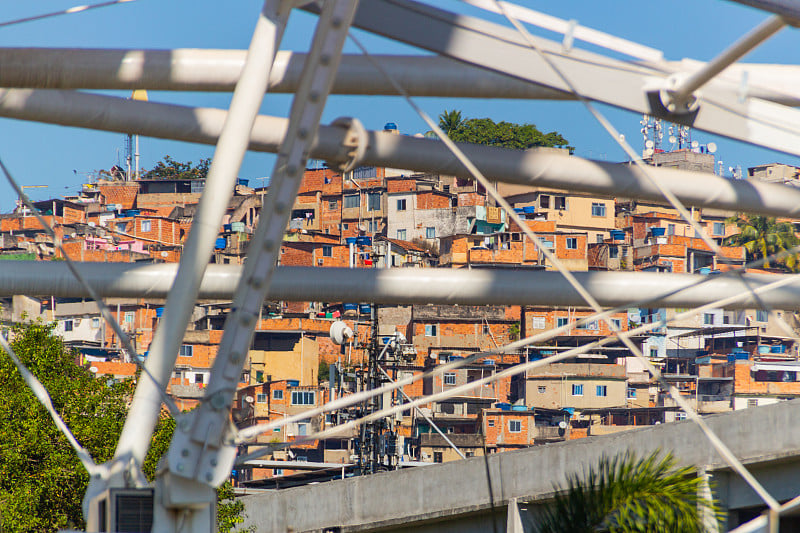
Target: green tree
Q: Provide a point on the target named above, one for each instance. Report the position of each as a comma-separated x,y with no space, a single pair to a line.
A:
323,371
763,236
450,121
41,479
168,168
627,494
505,134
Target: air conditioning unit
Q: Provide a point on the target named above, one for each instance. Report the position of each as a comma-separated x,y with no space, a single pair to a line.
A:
319,261
122,510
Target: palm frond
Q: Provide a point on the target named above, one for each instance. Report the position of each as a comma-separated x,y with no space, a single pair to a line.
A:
624,493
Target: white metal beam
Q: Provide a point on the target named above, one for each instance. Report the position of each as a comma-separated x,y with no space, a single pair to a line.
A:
232,145
598,78
401,286
533,168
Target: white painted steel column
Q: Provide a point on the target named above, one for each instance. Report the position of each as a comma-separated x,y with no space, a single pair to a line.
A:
200,451
220,182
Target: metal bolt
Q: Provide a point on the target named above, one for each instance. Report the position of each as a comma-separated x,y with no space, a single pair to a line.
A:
280,207
291,170
185,452
213,462
180,467
313,96
324,59
302,133
269,245
209,476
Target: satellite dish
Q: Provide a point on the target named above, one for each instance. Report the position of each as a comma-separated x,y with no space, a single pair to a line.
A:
93,369
672,139
340,332
401,339
695,144
712,147
648,152
562,425
649,144
248,399
164,254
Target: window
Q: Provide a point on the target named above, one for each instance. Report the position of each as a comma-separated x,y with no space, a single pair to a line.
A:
670,229
560,202
401,234
617,323
120,226
333,204
374,201
430,233
277,394
602,390
300,397
588,325
560,322
653,352
538,322
577,390
598,209
572,243
708,319
277,471
199,378
261,397
146,225
613,251
95,323
544,201
752,402
430,330
490,423
259,376
345,226
449,378
541,389
718,229
129,316
437,457
514,426
401,204
680,416
302,429
186,350
68,325
327,250
547,243
352,200
599,238
631,393
761,316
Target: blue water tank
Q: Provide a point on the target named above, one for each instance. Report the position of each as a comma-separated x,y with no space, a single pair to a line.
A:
350,307
503,406
529,209
365,308
293,382
618,235
227,227
390,126
159,312
351,240
243,181
519,408
220,243
364,241
658,232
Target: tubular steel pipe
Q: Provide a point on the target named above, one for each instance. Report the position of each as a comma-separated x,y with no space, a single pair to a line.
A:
401,286
531,168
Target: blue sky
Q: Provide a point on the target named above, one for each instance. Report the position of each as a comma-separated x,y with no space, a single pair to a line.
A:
60,157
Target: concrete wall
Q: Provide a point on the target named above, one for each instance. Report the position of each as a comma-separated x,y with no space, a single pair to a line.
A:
438,494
